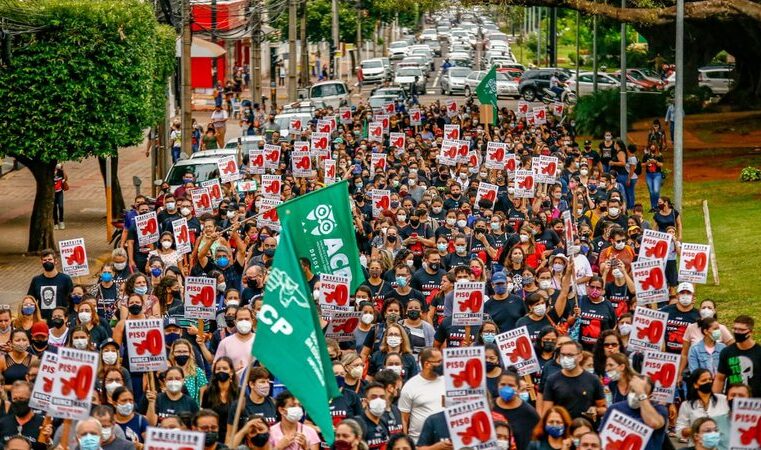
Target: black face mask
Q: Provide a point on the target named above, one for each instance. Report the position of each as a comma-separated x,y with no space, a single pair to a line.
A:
439,370
705,388
181,360
251,284
269,253
548,346
48,266
210,438
433,266
414,315
260,440
176,295
391,238
40,344
135,309
56,323
229,321
20,408
414,222
221,376
739,337
491,366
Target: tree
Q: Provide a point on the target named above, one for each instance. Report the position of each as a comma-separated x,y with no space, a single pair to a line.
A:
710,26
87,79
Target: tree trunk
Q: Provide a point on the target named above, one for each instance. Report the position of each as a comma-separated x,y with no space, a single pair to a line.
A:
117,199
41,224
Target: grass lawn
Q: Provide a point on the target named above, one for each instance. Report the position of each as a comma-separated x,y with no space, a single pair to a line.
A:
735,210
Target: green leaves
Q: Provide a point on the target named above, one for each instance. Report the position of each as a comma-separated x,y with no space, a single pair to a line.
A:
91,81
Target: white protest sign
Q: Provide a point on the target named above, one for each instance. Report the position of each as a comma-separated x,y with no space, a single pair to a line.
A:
381,200
650,281
302,164
495,155
43,384
271,156
663,369
329,171
624,432
201,201
71,397
470,426
256,161
182,236
342,325
377,163
169,439
648,330
487,191
271,185
334,293
74,257
448,153
693,263
268,214
655,246
468,303
517,351
320,142
545,169
200,298
375,131
465,373
524,184
228,168
452,132
745,432
215,191
147,226
145,350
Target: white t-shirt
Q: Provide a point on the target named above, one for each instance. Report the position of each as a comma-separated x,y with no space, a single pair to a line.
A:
218,117
583,269
421,398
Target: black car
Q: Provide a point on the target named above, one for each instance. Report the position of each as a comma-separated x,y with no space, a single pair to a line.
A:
535,81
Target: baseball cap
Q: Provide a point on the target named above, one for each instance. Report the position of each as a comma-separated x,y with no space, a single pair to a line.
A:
499,277
587,142
108,341
685,286
39,328
170,322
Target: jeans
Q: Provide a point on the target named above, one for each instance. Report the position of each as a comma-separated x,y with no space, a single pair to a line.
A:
58,207
629,192
654,182
176,153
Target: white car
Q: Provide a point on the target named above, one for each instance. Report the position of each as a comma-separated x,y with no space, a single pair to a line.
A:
398,49
373,70
429,34
506,87
333,93
407,76
586,82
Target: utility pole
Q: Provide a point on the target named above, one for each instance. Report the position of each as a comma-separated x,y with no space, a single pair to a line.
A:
552,34
678,104
334,33
622,117
304,47
578,57
594,53
292,76
539,52
359,32
256,54
214,67
187,102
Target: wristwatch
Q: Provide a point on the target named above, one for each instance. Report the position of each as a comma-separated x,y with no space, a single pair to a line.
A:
642,397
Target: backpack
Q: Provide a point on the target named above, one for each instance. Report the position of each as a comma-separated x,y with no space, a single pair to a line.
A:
638,168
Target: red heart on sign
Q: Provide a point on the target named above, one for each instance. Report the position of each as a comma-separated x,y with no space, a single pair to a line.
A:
480,428
380,164
473,303
452,152
79,383
273,188
630,442
382,203
273,156
340,296
150,227
204,297
77,256
47,384
463,149
229,168
271,215
522,350
296,124
304,163
182,236
472,374
325,128
416,116
384,121
390,108
653,332
753,433
498,154
453,134
473,160
698,262
346,115
665,376
258,161
654,280
347,327
376,131
550,169
453,106
398,142
151,343
331,172
510,164
203,202
657,251
527,183
490,195
215,191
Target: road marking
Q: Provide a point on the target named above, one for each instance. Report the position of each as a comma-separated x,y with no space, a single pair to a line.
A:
436,80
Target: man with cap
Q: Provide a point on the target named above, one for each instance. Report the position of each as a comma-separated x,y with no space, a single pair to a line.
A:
592,157
681,314
504,307
174,328
39,343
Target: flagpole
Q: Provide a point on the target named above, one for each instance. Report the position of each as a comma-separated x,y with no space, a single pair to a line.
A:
241,402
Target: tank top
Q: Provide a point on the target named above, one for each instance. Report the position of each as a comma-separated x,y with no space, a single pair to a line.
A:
16,371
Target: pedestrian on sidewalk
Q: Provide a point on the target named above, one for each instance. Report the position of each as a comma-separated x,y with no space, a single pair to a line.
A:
360,77
60,184
195,141
209,140
219,120
281,75
176,137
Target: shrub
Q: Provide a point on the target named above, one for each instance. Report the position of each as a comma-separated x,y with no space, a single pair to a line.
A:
596,113
750,173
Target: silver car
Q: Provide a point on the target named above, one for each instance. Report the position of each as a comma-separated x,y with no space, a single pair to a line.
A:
506,87
407,76
454,80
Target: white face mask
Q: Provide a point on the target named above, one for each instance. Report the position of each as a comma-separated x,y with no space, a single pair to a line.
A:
367,318
617,273
294,413
80,343
613,212
111,387
524,238
540,310
110,358
707,312
174,386
166,244
85,317
568,362
451,222
462,223
619,245
125,409
356,372
394,341
185,211
625,329
244,326
396,369
685,299
105,433
120,266
377,406
545,284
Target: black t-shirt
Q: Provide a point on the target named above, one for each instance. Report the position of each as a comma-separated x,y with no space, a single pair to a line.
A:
427,283
266,410
377,293
576,394
393,421
500,240
676,325
505,312
533,326
592,158
742,366
454,335
522,421
376,435
139,253
595,318
548,238
106,299
619,296
50,292
454,260
434,430
404,298
9,427
606,153
184,406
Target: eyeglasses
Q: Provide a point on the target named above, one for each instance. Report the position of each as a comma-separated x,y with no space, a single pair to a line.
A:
618,241
610,344
569,355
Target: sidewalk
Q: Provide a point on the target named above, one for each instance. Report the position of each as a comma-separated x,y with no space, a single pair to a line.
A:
84,213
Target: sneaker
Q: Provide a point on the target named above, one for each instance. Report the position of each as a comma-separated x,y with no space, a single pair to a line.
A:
55,227
63,226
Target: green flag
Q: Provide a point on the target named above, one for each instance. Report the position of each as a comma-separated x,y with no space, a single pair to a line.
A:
289,341
322,228
487,90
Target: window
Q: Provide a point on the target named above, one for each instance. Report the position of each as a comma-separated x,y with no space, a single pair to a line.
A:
328,90
585,78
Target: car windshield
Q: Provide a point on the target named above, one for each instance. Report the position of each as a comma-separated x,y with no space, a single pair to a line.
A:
459,72
408,72
327,90
372,64
398,44
200,171
502,77
378,101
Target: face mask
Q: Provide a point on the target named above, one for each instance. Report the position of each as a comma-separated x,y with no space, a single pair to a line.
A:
618,274
294,413
391,238
135,309
367,318
451,222
401,218
20,408
210,438
185,211
221,287
377,406
222,261
540,310
120,266
244,326
625,329
232,302
414,222
181,360
89,442
503,444
613,375
111,387
500,289
106,277
711,439
396,369
524,238
141,290
568,362
48,266
584,172
414,314
85,317
356,372
716,335
125,409
392,317
174,386
545,284
555,431
685,299
594,293
741,337
613,211
441,247
619,245
394,341
632,400
548,347
106,433
166,244
462,223
558,267
460,249
27,310
80,344
401,281
506,393
156,271
706,312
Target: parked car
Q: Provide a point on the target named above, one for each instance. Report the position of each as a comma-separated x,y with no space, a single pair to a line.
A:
435,46
333,93
716,78
283,121
203,169
373,71
586,82
417,61
398,49
397,91
534,81
454,80
407,76
244,142
645,84
506,87
377,101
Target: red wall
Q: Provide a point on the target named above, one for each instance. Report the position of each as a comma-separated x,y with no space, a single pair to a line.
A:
201,72
230,15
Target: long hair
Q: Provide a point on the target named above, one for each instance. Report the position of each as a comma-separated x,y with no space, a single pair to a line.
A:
36,316
692,393
213,393
404,347
191,365
94,318
599,350
356,429
623,360
539,433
